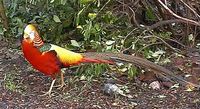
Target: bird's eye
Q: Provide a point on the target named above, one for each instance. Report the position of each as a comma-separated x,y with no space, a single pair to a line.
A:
32,35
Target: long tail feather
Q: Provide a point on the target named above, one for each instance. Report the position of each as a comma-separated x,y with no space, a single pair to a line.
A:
159,70
90,60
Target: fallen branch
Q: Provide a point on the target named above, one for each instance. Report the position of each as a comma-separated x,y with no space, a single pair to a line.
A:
164,22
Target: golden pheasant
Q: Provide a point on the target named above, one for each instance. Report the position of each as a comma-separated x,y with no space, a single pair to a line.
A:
50,59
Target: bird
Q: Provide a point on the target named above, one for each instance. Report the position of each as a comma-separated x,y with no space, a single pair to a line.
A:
49,59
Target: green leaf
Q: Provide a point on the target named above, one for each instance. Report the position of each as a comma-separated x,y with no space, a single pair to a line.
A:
110,42
150,14
63,2
132,72
92,15
74,43
86,1
1,30
78,16
52,1
56,19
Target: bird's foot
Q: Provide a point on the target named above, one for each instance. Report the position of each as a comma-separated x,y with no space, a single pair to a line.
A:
50,89
46,93
60,86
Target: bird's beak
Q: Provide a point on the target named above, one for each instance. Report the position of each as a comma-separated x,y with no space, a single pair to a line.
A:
26,36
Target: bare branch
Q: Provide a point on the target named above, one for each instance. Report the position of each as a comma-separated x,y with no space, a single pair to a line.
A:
188,21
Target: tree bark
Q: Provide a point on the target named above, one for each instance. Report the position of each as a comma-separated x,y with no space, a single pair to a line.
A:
3,15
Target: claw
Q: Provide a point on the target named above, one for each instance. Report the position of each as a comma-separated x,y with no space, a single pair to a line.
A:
61,86
45,94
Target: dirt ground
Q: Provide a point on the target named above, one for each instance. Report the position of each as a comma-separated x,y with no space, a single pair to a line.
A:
20,87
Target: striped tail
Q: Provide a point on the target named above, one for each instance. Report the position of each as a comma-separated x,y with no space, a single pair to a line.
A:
118,57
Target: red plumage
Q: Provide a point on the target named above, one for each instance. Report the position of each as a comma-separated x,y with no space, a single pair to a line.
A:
46,63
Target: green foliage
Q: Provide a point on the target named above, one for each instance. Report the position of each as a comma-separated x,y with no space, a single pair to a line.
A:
132,72
86,1
11,84
150,14
83,25
92,70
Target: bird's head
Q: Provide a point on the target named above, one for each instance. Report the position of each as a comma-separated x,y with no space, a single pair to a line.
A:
31,34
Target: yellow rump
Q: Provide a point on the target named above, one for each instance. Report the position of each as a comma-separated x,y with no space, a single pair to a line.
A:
66,57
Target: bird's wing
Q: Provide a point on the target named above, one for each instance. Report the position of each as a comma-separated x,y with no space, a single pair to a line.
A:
66,57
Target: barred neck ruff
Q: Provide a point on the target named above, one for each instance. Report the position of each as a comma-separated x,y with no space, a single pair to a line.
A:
37,40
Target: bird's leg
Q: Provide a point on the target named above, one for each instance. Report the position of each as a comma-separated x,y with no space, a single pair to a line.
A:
62,80
50,89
